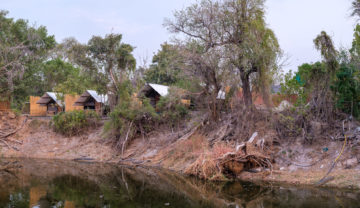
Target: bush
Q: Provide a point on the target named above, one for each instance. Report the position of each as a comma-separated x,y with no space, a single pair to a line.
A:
132,117
171,110
347,91
75,122
140,116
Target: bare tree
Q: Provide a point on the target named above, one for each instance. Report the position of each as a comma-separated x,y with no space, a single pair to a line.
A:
239,29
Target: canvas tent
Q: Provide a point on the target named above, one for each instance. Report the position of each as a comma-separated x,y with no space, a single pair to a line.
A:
52,103
154,92
91,100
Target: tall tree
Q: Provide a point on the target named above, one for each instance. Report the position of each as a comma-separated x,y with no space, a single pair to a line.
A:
112,56
321,96
166,66
238,28
22,49
106,61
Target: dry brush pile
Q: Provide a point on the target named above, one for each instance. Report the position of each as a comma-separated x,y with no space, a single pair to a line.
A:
225,162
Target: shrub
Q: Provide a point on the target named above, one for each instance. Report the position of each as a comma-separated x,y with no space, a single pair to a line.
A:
134,114
171,110
75,122
347,91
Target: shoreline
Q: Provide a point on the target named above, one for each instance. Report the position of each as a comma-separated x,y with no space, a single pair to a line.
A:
278,178
163,150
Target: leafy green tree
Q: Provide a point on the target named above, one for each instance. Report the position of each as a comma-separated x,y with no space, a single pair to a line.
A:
112,56
304,81
166,66
347,90
354,56
106,62
56,72
22,49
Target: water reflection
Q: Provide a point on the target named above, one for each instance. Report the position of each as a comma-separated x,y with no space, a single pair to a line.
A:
43,184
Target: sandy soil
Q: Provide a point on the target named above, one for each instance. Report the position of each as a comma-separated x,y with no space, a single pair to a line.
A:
175,152
37,140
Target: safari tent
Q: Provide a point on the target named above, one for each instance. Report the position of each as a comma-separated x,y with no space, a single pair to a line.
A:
52,103
153,92
91,100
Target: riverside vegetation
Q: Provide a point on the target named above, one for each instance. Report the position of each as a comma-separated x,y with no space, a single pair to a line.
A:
223,46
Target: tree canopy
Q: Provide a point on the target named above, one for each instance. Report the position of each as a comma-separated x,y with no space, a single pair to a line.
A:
237,31
22,49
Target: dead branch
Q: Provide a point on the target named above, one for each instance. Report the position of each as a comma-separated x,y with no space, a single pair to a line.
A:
5,135
127,137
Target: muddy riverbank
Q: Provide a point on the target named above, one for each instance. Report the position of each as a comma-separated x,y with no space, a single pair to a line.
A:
294,163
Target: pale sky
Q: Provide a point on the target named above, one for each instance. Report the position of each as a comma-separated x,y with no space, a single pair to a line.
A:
295,22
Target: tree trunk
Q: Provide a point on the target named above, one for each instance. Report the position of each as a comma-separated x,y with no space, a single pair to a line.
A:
246,91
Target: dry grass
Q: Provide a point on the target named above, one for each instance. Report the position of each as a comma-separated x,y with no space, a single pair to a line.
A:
206,166
184,151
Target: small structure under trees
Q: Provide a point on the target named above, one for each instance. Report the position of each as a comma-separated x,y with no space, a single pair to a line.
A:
91,100
154,92
52,103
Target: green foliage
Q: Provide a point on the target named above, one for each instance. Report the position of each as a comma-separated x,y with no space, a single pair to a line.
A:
109,58
63,77
303,83
141,117
171,110
355,49
166,66
23,48
105,63
325,45
130,115
347,90
75,122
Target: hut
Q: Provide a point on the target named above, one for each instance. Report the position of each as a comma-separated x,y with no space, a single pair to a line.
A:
154,92
91,100
52,103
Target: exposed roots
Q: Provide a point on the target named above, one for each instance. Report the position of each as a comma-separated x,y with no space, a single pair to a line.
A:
230,164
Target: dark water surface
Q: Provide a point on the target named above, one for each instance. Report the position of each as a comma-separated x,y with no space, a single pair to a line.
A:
44,183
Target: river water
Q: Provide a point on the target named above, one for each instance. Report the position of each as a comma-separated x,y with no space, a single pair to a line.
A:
66,184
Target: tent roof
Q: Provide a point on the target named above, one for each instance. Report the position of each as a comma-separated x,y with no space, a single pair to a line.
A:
48,96
97,97
161,89
91,93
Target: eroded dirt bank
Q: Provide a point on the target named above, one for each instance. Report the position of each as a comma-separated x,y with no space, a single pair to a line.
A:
185,151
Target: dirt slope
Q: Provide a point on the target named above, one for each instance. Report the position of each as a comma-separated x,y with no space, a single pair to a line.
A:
37,140
294,162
